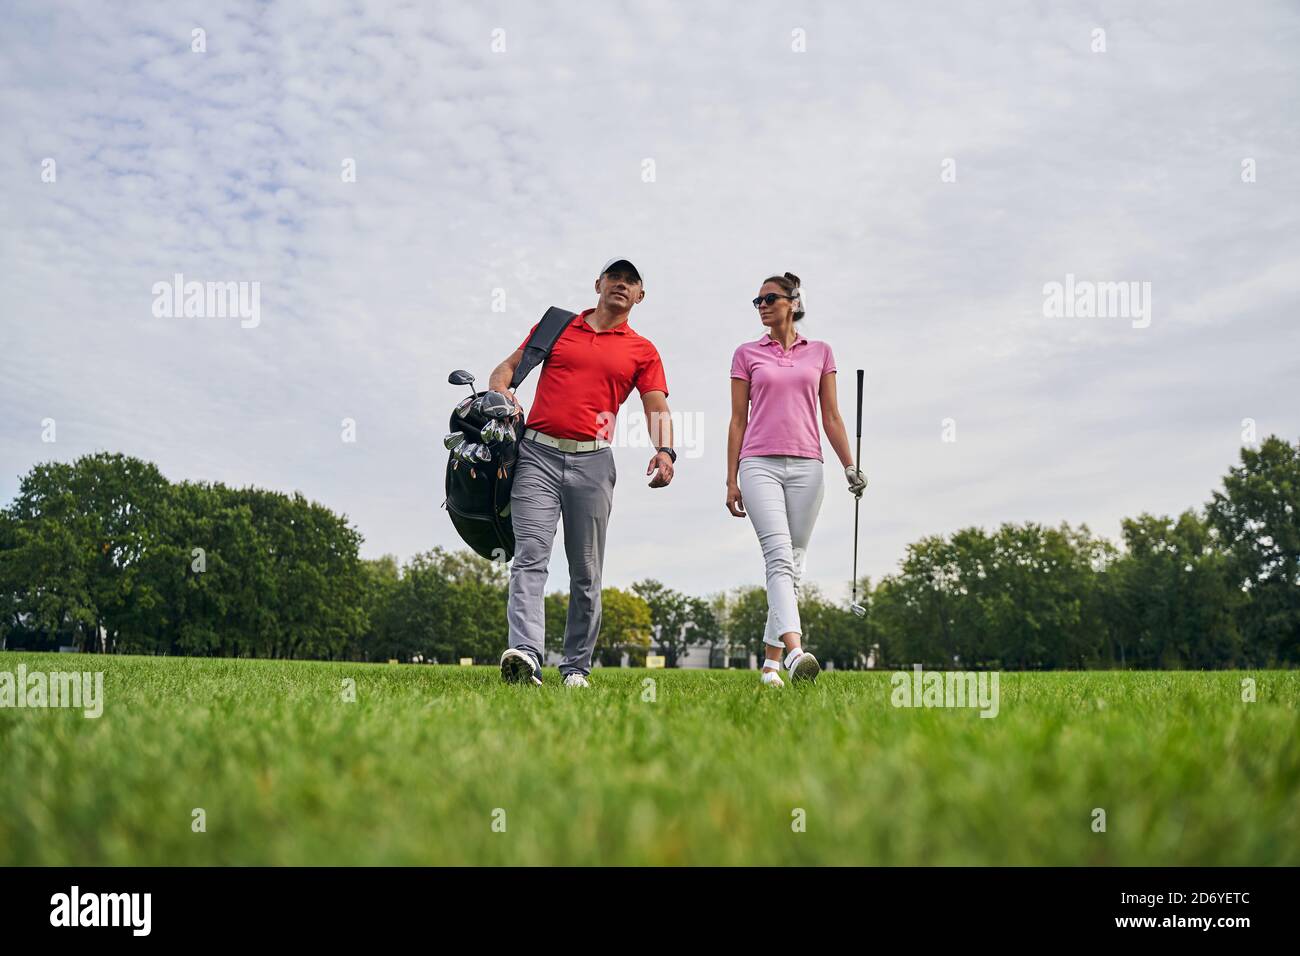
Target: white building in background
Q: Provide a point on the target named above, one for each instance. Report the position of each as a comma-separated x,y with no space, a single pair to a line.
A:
699,656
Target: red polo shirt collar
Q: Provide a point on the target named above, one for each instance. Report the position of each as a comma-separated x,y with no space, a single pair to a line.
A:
581,322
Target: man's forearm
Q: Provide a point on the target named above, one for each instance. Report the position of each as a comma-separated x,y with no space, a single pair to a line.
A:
501,376
659,426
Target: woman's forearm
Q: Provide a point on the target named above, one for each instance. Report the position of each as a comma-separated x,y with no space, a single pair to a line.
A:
735,438
839,439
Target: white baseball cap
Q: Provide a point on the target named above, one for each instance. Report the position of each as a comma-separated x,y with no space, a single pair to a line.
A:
615,261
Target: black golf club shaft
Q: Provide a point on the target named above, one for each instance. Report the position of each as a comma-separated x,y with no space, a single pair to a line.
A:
857,504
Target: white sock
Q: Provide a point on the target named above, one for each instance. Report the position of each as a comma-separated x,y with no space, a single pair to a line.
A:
771,665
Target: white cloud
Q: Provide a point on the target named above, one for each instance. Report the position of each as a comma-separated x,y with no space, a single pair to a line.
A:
522,171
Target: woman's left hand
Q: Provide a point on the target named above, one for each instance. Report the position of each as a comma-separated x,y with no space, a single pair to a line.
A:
857,480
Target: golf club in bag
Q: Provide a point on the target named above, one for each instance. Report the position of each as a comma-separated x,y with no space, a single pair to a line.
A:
855,607
483,442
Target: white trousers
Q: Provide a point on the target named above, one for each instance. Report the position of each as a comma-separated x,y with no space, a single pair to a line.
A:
782,495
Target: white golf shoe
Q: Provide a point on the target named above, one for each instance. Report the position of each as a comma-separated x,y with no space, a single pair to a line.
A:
518,668
802,666
575,680
771,678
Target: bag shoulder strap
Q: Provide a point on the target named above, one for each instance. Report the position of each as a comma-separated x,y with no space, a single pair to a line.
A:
539,344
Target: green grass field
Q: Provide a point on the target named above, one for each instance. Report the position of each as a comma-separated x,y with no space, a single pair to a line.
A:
711,772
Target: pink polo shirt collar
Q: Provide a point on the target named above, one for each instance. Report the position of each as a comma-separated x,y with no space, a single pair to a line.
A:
766,339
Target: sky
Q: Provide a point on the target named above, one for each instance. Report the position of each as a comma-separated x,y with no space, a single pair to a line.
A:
412,185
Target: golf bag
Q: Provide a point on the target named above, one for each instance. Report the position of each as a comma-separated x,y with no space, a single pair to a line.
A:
478,492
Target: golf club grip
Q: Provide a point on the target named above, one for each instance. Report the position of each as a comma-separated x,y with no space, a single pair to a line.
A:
860,372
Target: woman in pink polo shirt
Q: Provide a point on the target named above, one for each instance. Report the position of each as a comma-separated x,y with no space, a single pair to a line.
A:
774,458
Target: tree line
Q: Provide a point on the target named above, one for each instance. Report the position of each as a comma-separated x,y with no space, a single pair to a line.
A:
106,555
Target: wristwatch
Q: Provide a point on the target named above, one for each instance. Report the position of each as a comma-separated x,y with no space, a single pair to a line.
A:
672,455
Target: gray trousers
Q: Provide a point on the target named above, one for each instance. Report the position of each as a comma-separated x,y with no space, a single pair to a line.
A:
579,486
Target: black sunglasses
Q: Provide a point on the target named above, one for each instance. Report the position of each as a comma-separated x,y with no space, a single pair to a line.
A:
771,297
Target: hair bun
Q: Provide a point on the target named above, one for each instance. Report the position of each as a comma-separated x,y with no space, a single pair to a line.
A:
792,277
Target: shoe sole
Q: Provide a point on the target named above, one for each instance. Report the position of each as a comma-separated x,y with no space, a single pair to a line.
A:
806,670
515,669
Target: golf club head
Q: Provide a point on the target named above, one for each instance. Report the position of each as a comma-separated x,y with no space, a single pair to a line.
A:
452,440
462,409
504,432
473,452
496,405
460,377
858,609
493,431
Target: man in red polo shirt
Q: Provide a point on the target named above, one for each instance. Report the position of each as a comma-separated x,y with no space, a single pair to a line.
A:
566,468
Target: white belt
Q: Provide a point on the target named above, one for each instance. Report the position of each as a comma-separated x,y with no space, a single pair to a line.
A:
566,444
